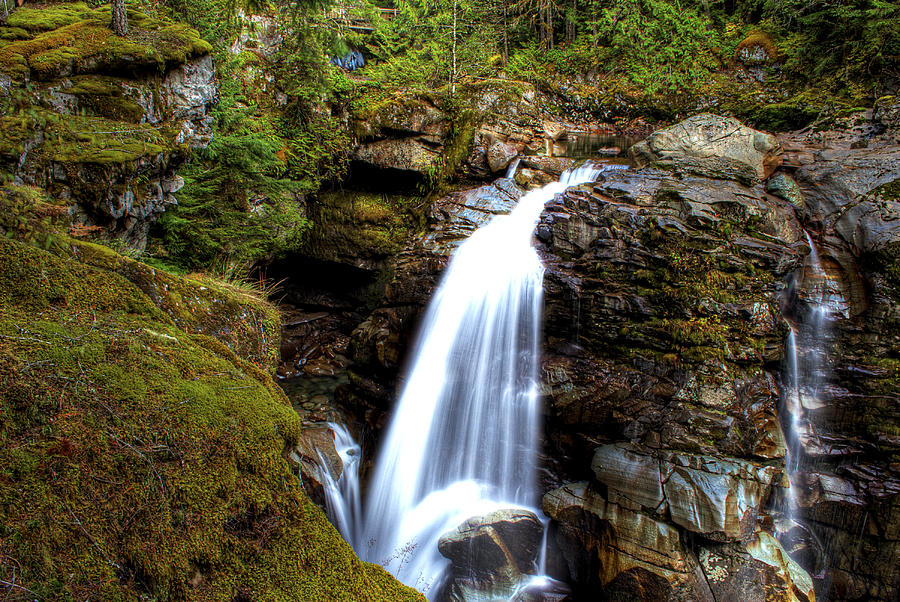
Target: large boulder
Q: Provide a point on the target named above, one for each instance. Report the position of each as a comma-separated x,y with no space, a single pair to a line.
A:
500,155
506,539
712,146
416,154
490,555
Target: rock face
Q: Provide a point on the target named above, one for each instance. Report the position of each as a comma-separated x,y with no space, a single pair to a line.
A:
109,125
720,499
121,182
709,145
848,178
407,136
663,327
669,291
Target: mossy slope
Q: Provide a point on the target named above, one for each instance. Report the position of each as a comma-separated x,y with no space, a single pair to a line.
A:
142,461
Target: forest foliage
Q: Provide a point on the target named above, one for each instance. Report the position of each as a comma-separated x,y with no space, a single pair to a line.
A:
241,198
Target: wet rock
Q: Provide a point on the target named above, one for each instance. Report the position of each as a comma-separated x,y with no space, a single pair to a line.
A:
608,547
500,155
629,283
713,146
845,188
760,571
552,166
503,540
314,453
530,178
719,498
456,216
491,554
785,187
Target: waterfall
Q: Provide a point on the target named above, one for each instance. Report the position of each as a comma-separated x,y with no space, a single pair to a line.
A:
463,437
806,378
513,168
342,493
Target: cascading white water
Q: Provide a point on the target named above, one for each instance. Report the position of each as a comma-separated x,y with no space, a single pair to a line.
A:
463,437
342,496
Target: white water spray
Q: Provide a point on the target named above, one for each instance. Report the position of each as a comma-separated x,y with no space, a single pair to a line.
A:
463,438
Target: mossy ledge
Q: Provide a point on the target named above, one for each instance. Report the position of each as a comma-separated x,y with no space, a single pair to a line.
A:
71,38
142,458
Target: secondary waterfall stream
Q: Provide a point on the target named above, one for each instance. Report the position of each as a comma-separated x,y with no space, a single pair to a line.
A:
807,375
463,437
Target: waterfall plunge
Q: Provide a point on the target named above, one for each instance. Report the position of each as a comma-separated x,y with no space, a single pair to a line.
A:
463,437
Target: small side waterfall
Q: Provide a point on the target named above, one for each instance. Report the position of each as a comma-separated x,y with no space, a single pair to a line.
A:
463,438
806,378
342,493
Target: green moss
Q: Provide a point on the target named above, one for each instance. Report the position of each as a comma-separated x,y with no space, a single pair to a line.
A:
359,224
13,33
49,16
104,96
888,192
140,460
758,39
73,39
74,139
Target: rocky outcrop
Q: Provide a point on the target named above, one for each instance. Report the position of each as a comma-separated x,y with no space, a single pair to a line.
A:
848,177
720,499
108,139
665,333
712,146
406,135
623,552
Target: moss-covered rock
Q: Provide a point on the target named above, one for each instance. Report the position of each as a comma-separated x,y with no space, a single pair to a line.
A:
104,120
362,229
142,457
67,39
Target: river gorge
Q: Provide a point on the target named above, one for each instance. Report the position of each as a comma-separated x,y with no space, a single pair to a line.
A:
452,301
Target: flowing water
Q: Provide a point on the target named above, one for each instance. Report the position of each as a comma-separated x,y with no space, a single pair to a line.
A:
807,375
463,437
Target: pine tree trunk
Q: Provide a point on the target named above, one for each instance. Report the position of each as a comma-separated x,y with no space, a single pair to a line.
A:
119,18
550,25
505,33
571,27
453,67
